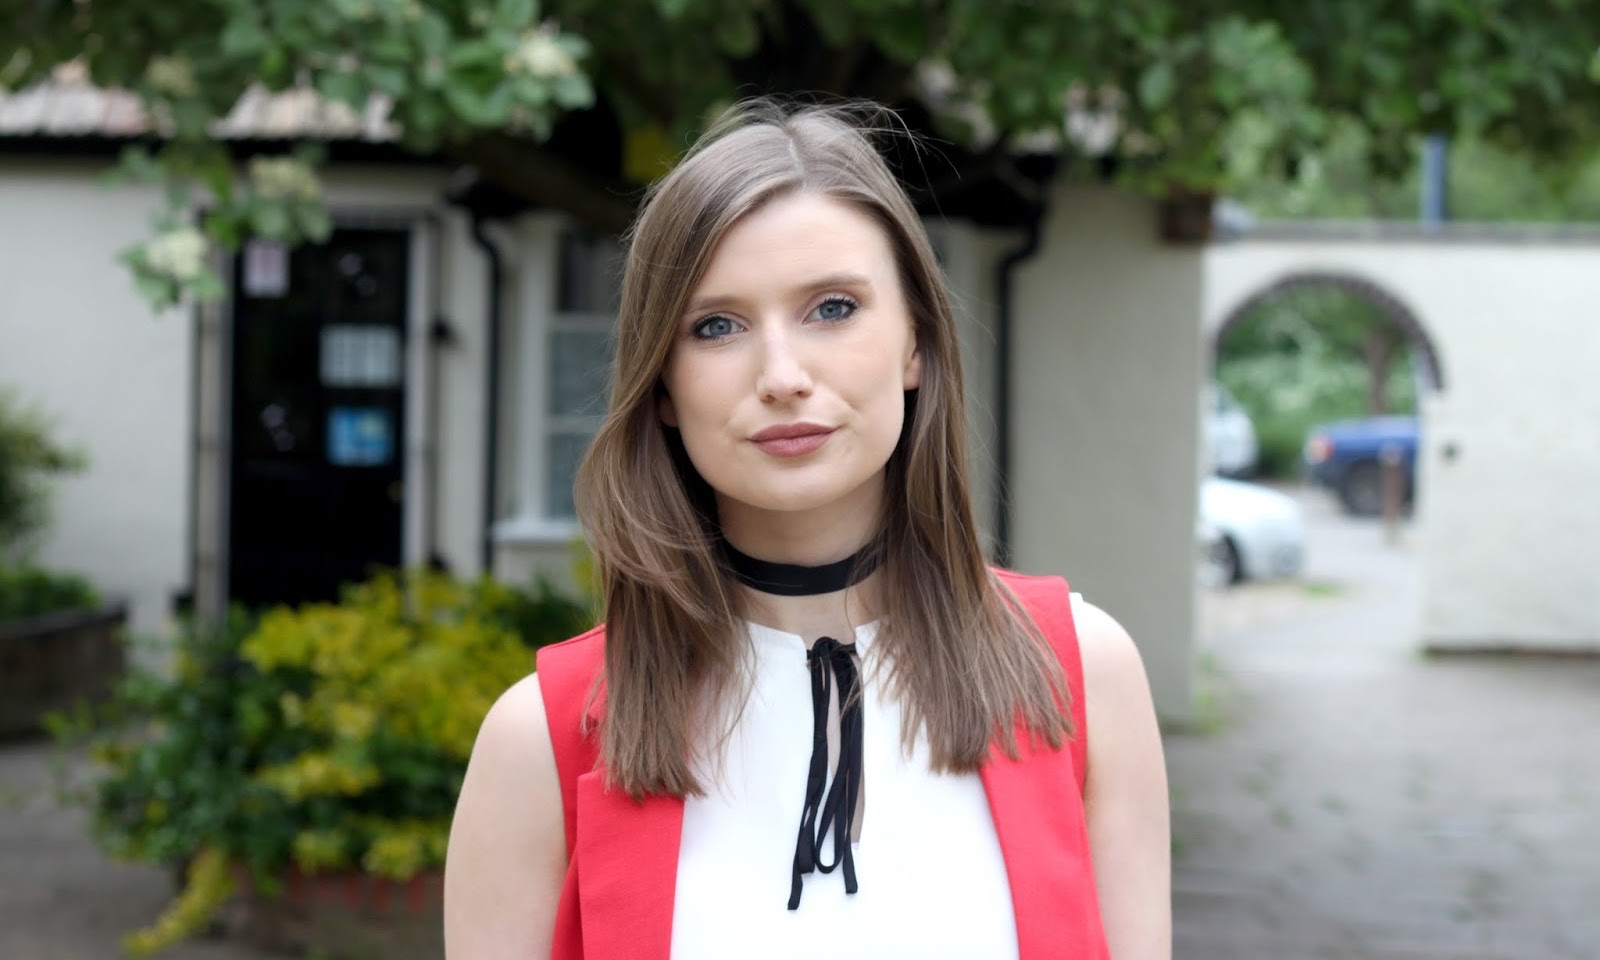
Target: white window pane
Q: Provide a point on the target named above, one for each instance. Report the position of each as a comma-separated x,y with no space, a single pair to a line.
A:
562,455
360,355
580,368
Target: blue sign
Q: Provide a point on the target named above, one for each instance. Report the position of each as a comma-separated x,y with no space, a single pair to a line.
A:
360,437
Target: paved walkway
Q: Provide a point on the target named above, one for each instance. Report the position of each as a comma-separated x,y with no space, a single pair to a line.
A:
1349,798
60,898
1355,799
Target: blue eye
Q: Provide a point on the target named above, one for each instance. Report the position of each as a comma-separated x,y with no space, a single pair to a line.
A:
714,328
835,309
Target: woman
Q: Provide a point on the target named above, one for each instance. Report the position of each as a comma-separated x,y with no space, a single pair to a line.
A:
816,723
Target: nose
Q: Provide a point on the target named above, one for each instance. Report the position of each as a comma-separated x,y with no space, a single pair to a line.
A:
784,374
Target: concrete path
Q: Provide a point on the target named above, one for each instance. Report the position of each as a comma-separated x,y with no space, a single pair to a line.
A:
60,897
1345,799
1353,799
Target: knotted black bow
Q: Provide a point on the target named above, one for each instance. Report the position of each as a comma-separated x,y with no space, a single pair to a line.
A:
830,660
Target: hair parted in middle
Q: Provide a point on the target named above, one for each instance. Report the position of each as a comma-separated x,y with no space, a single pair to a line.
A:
964,659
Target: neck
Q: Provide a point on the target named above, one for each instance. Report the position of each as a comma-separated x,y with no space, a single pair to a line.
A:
810,538
819,615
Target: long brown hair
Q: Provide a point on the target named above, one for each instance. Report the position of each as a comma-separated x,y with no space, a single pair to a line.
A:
965,661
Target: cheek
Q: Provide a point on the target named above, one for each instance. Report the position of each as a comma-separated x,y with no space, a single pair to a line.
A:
698,408
880,396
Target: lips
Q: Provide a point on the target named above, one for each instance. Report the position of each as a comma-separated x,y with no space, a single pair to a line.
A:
790,431
792,439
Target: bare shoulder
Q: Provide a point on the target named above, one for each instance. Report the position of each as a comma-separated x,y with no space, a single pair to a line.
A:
507,854
513,757
1111,660
1124,736
517,719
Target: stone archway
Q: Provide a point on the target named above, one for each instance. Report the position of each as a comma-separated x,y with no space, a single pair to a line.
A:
1387,304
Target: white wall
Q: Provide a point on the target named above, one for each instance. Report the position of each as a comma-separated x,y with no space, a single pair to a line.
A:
78,343
1511,526
1106,387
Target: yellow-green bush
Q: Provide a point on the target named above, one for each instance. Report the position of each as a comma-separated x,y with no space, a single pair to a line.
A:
328,737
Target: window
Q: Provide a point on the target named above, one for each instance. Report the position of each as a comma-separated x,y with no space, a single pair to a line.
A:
578,371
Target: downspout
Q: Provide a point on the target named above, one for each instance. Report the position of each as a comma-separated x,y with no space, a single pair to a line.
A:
440,337
491,429
1004,276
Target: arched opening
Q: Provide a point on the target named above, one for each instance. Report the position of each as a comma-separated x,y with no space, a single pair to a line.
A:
1379,301
1329,370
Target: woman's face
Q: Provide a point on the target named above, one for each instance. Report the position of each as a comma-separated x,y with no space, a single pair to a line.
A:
788,372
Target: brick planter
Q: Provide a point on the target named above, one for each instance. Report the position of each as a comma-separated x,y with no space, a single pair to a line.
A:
343,916
54,661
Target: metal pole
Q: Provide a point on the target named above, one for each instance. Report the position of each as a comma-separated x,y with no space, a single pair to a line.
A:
1435,206
1393,492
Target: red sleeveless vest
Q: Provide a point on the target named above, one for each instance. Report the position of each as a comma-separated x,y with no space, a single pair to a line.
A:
616,902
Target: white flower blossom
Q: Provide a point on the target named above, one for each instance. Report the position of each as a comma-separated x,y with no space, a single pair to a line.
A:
541,55
279,178
179,254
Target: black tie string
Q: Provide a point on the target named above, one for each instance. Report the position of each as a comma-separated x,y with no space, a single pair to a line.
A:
829,661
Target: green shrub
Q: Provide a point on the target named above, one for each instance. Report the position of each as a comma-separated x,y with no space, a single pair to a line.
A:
28,458
30,592
330,737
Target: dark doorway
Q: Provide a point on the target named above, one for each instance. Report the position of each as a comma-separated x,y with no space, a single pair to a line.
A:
317,469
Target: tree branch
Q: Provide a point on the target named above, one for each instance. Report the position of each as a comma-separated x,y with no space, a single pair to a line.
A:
534,174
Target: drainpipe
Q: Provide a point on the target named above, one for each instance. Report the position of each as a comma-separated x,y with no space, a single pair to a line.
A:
1435,199
491,429
441,337
1004,275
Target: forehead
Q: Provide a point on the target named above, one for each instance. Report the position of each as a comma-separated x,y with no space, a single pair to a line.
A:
797,237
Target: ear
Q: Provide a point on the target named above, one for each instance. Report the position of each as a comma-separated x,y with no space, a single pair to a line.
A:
665,410
913,372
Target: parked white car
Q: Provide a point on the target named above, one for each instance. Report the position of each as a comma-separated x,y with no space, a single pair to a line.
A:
1248,532
1229,435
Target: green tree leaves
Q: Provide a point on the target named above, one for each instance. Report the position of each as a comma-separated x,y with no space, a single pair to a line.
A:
1194,95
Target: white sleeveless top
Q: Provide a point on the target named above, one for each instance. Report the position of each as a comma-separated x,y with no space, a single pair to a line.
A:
931,880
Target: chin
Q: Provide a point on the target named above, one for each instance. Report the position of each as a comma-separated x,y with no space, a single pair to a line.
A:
778,500
792,494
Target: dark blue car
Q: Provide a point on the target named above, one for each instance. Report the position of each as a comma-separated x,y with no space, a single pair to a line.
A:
1345,457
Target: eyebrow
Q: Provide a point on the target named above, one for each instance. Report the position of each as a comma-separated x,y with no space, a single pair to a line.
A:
832,280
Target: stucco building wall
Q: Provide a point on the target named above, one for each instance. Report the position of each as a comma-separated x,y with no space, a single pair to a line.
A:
77,344
1106,393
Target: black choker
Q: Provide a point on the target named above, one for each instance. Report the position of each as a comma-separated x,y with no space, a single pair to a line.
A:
795,580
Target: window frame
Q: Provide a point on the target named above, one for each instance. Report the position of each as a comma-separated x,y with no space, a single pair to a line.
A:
539,320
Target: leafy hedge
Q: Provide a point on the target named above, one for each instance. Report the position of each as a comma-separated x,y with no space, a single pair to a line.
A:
30,592
29,457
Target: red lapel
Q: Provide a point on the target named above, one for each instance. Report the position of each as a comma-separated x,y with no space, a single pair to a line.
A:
1038,817
1036,801
616,903
628,868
